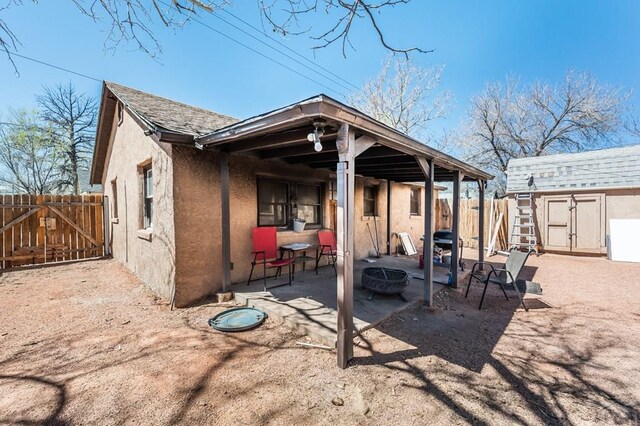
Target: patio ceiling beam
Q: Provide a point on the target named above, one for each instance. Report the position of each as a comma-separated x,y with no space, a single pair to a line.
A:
400,167
304,150
271,122
378,162
276,140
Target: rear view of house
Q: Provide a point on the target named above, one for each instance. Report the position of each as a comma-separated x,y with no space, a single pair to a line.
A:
170,171
575,196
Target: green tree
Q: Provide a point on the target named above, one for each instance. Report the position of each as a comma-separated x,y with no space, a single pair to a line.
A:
30,157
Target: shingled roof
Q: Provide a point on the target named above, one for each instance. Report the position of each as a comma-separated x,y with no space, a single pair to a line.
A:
165,114
600,169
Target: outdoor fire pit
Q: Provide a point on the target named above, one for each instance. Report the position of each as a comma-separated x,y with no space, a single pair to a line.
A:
385,281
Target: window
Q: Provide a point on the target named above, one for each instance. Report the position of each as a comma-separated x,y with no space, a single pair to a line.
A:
370,203
114,192
416,201
307,203
147,196
279,202
273,199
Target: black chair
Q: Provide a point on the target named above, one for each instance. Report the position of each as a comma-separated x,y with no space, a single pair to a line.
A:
507,275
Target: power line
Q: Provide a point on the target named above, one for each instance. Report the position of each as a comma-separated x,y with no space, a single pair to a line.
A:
313,63
223,35
281,52
204,24
50,65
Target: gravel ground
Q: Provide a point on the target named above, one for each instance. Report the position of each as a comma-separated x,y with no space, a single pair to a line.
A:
87,343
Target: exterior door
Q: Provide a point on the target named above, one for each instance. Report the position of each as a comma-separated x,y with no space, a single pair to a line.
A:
586,224
574,223
558,223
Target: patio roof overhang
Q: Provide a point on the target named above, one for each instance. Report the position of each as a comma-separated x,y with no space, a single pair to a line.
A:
282,134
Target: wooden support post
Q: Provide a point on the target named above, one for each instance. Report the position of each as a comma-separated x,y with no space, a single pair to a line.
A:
481,185
226,220
345,223
427,248
455,228
389,217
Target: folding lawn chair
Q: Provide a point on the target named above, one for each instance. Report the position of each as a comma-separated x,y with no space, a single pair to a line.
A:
327,243
265,252
507,275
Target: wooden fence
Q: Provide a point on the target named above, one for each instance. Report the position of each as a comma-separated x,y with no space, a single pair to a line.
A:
469,221
50,228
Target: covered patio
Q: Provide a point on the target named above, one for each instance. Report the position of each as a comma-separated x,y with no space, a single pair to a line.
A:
322,133
310,303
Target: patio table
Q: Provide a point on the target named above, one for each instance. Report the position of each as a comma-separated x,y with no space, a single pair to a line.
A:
298,252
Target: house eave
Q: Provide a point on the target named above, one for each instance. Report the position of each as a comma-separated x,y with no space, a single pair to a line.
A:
329,109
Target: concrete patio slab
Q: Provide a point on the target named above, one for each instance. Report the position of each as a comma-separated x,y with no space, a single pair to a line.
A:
309,304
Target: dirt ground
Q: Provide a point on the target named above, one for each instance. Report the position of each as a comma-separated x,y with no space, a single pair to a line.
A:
88,344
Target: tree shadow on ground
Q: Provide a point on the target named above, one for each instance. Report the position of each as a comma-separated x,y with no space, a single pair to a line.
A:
520,366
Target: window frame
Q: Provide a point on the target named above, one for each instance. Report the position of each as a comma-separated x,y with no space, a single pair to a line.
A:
114,196
147,196
260,182
291,205
415,203
374,200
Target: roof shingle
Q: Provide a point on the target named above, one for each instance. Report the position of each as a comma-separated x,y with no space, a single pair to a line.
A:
604,168
173,116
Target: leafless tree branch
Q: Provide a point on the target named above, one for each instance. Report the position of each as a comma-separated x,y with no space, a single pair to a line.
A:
404,97
510,121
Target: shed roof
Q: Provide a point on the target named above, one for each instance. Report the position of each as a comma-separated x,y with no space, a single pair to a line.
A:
599,169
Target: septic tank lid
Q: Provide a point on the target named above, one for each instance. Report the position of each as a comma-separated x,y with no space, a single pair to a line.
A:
237,319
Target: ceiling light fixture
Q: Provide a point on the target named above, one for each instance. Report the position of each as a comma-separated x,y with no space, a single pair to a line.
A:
317,134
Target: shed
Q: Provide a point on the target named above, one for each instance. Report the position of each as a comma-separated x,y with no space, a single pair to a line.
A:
575,196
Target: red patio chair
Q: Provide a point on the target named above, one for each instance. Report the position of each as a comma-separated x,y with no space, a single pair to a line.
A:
265,252
327,243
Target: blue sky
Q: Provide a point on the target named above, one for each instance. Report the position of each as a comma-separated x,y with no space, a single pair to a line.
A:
476,41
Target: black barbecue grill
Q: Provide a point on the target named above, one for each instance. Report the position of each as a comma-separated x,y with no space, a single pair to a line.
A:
443,238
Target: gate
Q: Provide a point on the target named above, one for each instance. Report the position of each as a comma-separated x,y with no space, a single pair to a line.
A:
38,229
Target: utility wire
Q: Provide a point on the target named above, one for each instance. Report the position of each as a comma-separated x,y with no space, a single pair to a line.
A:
217,32
204,24
313,63
281,52
49,65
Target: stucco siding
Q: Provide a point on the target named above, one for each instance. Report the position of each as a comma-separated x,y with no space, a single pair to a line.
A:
151,260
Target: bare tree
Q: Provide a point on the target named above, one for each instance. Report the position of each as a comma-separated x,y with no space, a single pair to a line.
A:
404,96
73,116
283,15
29,155
132,21
512,121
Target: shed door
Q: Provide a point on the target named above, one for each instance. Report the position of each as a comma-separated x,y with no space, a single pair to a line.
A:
558,226
587,224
